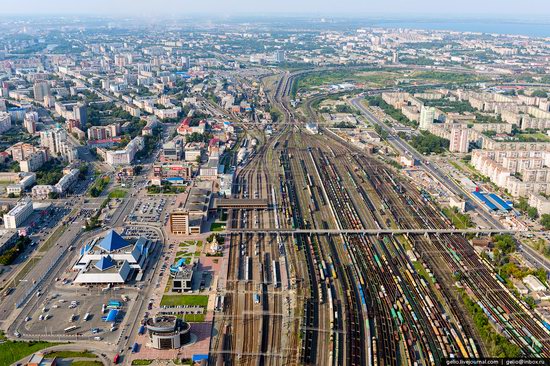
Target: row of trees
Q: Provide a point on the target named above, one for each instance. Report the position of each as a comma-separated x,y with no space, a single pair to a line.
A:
10,255
377,101
427,143
99,186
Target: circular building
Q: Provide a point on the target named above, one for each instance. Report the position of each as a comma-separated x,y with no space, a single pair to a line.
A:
168,332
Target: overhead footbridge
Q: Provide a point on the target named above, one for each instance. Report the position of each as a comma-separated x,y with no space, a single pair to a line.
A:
242,203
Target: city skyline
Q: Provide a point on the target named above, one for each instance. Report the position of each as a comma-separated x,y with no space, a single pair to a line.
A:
488,8
274,183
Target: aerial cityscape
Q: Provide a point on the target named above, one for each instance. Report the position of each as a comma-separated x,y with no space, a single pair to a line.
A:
273,189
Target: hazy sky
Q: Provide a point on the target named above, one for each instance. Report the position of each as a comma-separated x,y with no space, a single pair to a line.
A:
450,8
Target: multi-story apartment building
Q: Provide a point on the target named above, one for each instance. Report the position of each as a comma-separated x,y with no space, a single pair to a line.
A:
5,122
459,139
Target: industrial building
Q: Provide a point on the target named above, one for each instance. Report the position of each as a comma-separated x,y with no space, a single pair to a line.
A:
112,259
492,202
168,332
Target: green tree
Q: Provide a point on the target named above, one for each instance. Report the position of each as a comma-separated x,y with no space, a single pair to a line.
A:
545,221
532,213
522,204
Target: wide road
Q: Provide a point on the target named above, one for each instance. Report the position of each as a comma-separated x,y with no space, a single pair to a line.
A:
41,268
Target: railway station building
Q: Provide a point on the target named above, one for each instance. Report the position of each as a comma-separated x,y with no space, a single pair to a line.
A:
112,259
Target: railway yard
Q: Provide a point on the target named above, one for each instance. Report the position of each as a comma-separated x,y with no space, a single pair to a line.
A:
350,299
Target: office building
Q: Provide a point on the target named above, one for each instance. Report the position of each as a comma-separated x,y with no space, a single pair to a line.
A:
179,222
67,181
182,278
17,215
168,332
42,191
26,180
173,150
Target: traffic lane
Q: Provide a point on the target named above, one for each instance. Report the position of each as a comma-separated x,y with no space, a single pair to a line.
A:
535,257
39,269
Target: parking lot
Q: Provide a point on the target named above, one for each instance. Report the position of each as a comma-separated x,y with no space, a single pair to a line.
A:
147,210
137,231
78,312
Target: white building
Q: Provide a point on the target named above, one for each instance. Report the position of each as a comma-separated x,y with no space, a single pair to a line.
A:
52,139
126,155
42,191
459,140
67,181
534,284
17,215
112,259
34,161
226,183
27,179
542,204
427,116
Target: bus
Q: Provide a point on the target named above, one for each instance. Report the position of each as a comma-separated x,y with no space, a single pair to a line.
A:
71,328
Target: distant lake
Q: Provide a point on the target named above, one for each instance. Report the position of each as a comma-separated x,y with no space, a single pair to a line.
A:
537,28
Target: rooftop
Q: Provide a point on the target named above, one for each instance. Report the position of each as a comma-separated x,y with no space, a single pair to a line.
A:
112,242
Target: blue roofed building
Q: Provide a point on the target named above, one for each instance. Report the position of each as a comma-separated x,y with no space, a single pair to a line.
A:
105,263
113,242
111,316
112,259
